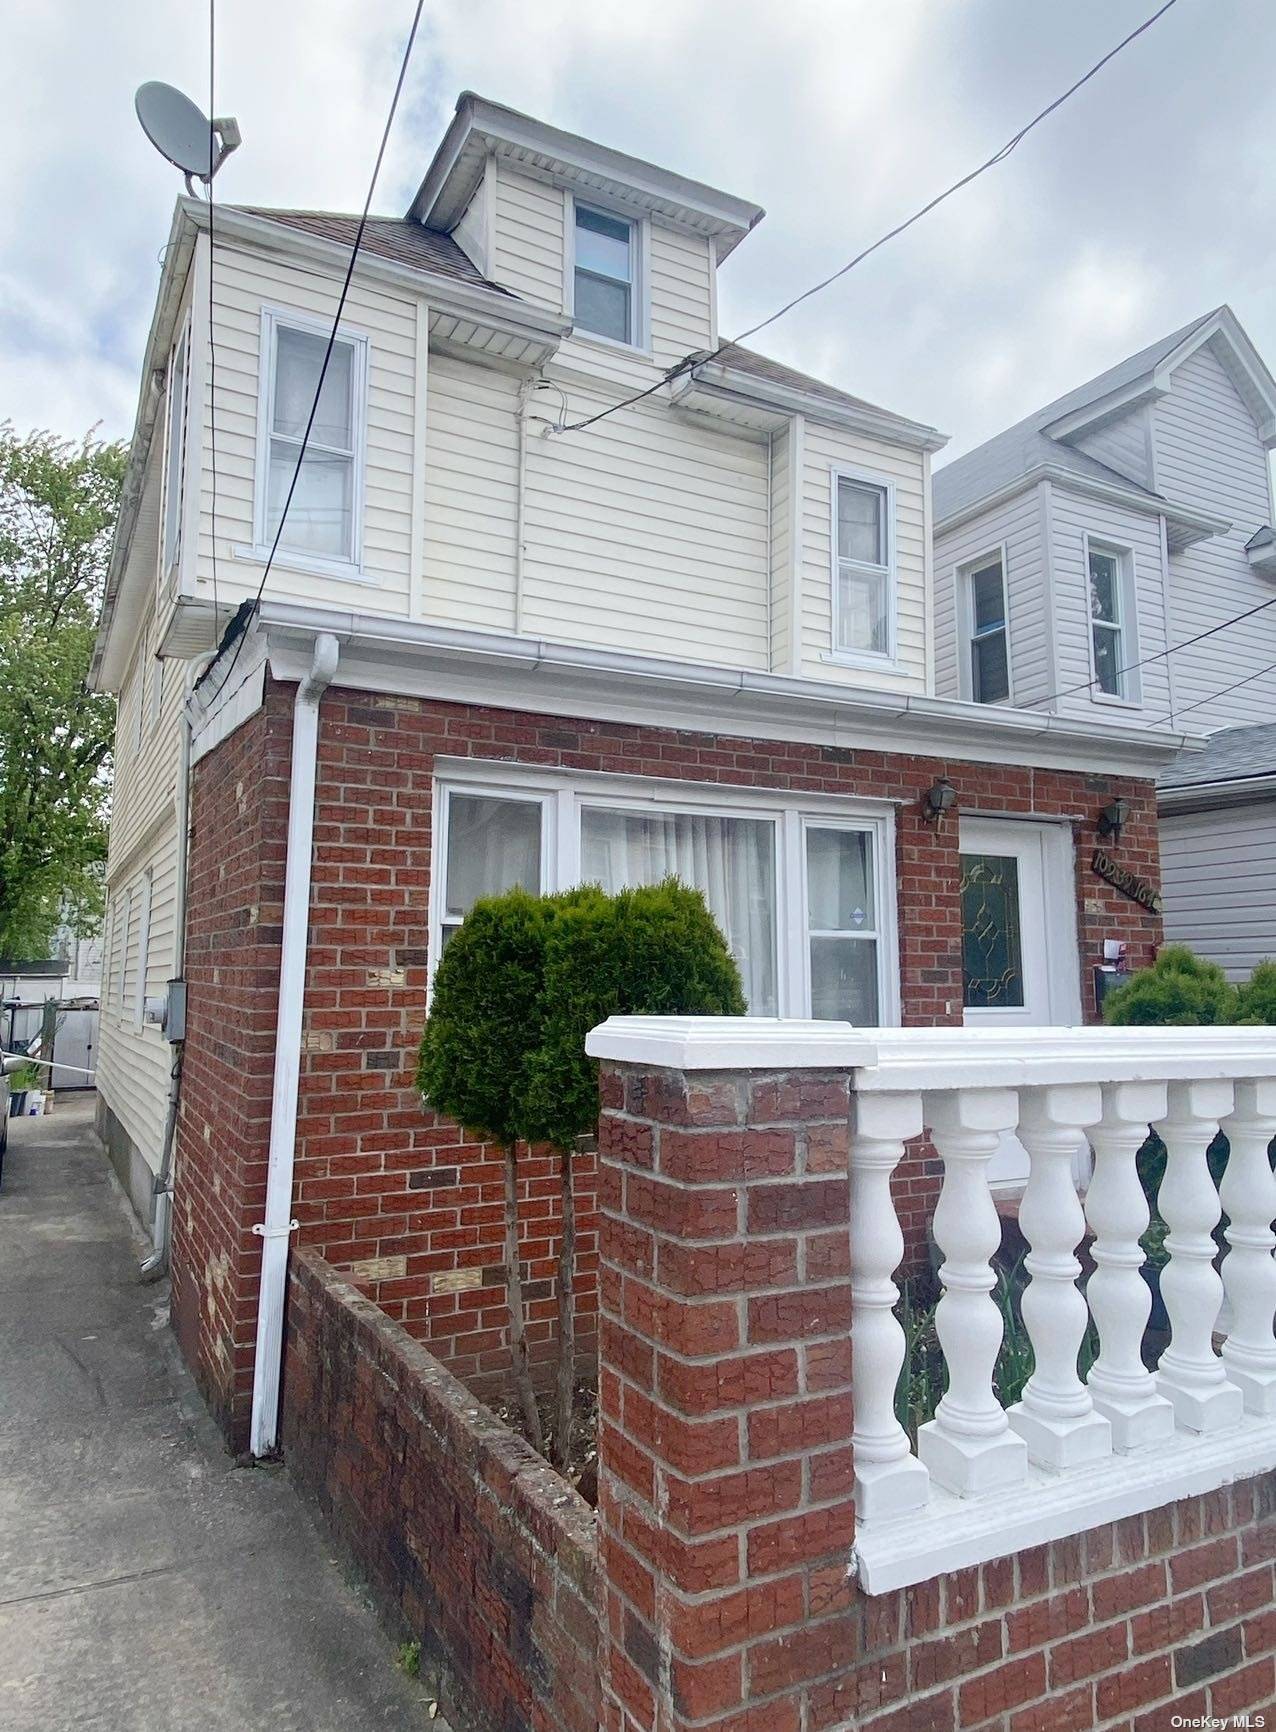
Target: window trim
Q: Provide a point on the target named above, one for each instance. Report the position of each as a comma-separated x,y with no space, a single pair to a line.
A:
1130,697
273,319
887,660
640,253
146,881
565,794
170,555
965,604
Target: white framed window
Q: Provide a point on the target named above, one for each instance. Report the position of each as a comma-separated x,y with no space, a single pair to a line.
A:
606,252
986,626
175,450
802,887
1113,637
323,528
863,576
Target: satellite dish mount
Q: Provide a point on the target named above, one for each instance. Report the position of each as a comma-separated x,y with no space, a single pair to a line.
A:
182,134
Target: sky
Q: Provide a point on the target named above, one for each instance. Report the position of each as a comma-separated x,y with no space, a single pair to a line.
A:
1144,202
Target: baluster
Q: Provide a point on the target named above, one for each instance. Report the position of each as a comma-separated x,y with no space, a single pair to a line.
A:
889,1479
1122,1388
1056,1417
1190,1373
1248,1195
969,1446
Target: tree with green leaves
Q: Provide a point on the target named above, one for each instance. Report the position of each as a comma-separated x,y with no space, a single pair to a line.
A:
58,504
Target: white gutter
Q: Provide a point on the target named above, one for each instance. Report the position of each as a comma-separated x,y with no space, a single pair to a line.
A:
279,1225
1091,486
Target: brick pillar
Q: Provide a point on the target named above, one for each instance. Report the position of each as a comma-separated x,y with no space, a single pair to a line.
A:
725,1510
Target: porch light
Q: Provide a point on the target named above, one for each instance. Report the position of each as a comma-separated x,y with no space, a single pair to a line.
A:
1112,819
939,798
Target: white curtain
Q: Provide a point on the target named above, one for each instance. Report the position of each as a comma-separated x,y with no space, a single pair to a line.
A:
730,860
492,846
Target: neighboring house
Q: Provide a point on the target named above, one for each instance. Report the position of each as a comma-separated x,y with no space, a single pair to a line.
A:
1218,848
1131,516
695,636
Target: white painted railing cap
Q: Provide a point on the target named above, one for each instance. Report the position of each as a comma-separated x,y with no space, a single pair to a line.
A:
732,1043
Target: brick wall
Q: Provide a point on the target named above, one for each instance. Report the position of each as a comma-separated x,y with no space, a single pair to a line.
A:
726,1520
399,1200
469,1542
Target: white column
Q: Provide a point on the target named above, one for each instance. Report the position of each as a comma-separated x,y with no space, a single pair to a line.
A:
1191,1374
889,1479
969,1446
1122,1388
1056,1417
1248,1194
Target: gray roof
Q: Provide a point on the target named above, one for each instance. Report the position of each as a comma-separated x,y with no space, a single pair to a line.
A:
762,367
1001,460
402,239
1230,755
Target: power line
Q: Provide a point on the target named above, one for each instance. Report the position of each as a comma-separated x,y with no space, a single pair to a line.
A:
332,334
212,346
701,358
1202,702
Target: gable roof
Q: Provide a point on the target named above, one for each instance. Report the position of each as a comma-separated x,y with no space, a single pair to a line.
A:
1230,755
1042,439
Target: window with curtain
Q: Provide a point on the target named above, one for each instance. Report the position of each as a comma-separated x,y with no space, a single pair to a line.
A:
603,279
730,860
1107,626
842,925
862,576
989,643
175,454
321,518
493,845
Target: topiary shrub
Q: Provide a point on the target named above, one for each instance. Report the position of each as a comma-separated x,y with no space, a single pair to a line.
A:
1179,989
1256,1000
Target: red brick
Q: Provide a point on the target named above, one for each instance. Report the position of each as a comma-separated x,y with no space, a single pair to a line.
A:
1007,1686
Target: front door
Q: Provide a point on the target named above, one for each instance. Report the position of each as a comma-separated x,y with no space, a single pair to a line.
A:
1019,939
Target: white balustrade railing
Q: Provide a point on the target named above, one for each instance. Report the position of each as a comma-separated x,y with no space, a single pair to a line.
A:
1072,1451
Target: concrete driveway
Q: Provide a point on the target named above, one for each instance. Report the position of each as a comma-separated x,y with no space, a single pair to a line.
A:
145,1581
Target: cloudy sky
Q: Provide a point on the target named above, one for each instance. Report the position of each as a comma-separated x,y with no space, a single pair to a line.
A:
1147,200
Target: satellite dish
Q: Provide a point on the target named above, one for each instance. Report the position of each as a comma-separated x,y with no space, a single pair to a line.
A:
181,132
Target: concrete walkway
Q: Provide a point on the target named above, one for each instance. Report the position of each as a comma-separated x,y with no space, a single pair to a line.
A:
145,1581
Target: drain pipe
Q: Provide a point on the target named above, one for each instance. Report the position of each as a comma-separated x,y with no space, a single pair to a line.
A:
278,1226
154,1266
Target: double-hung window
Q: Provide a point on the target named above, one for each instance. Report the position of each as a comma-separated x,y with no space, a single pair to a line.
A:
983,588
175,453
801,895
1111,636
604,279
323,519
863,575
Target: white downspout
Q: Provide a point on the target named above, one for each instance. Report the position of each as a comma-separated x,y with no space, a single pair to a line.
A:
279,1225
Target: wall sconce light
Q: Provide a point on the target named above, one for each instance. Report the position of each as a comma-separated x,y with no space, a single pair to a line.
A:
939,798
1112,819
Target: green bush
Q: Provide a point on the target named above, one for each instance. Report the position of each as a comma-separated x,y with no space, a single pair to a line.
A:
651,951
1180,988
1257,998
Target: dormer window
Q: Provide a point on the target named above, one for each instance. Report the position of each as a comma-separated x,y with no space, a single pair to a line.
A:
604,278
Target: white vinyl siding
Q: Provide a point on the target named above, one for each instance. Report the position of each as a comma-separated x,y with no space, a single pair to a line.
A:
530,237
1124,446
471,495
782,447
1209,455
1218,879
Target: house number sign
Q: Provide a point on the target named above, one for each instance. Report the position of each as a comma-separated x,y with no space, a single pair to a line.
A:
1137,889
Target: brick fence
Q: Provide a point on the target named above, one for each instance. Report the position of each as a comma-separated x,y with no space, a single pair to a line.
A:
401,1201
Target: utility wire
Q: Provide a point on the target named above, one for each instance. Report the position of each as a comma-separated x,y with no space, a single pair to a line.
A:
336,322
700,359
212,346
1202,702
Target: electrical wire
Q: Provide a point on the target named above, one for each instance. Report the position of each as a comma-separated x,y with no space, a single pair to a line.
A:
701,358
1200,703
212,346
332,334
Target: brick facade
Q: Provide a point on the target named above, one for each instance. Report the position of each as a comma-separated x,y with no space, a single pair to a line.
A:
469,1542
402,1202
725,1512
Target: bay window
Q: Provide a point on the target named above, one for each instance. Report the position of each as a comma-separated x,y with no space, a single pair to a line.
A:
323,521
803,895
863,568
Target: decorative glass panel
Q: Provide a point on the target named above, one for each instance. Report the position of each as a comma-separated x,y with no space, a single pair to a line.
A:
861,521
731,861
839,876
863,611
991,946
844,981
493,845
